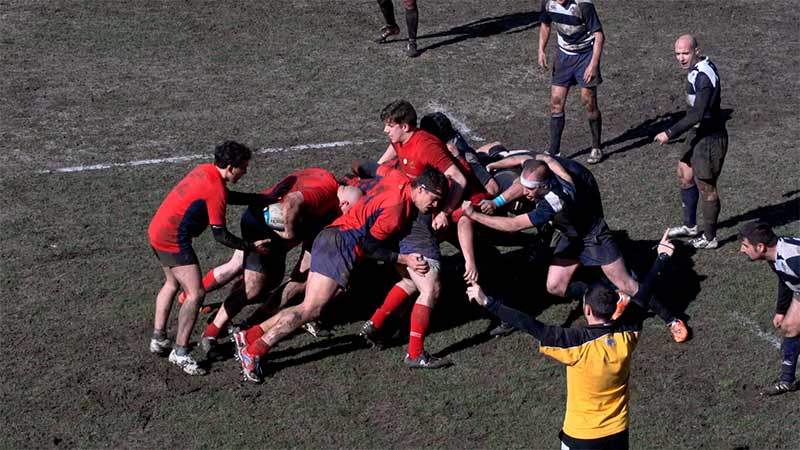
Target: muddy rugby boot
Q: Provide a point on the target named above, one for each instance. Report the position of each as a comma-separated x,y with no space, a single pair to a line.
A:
250,367
187,363
426,361
160,346
315,329
370,334
595,156
780,387
703,243
386,32
411,49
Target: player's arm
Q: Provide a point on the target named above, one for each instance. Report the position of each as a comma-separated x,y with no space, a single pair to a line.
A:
457,183
509,195
702,100
597,51
544,34
508,163
555,167
785,296
255,199
506,224
292,204
389,154
226,238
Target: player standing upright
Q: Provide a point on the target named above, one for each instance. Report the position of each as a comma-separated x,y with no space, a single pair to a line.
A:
391,28
706,144
580,45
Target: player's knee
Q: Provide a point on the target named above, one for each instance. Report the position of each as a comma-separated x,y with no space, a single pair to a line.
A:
557,104
556,288
195,297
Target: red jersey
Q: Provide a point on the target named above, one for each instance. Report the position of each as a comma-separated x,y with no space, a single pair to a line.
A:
422,150
320,193
196,202
382,213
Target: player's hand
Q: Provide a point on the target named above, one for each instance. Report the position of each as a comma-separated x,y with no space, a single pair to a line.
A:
661,138
415,262
470,273
475,293
440,222
261,246
467,208
589,73
492,166
542,59
777,321
488,207
665,245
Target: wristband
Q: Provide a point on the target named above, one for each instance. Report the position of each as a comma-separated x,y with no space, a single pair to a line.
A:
499,200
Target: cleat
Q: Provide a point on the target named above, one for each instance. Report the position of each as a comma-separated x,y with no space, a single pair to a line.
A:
315,329
682,231
426,361
504,329
386,32
240,342
595,156
411,49
622,303
187,363
160,346
370,334
679,330
702,243
250,367
780,387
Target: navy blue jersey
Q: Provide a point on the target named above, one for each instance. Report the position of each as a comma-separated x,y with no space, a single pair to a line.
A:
703,94
575,23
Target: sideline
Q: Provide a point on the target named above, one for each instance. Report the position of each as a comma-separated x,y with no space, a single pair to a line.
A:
755,329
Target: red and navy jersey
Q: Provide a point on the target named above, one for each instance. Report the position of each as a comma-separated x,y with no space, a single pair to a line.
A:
319,189
382,213
421,151
194,203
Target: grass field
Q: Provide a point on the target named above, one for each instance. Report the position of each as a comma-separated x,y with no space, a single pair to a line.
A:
85,83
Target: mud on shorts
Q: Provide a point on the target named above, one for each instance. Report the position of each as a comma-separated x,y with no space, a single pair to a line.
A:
568,70
274,261
705,152
596,249
333,256
186,257
422,239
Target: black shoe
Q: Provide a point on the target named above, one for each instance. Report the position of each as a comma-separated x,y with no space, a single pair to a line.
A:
504,329
316,329
411,49
370,334
388,30
780,387
426,361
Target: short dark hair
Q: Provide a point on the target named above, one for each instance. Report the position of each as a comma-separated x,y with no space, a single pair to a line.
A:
602,300
439,125
400,112
432,181
232,153
532,165
758,232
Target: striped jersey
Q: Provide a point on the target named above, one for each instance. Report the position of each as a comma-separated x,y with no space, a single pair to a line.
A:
575,23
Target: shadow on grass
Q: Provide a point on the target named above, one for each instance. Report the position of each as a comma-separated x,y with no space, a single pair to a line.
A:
776,215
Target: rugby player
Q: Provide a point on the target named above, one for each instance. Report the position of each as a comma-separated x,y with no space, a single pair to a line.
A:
365,231
391,28
706,145
597,358
782,254
580,45
313,200
196,202
566,194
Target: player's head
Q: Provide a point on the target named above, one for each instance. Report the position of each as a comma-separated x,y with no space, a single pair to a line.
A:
757,237
348,196
232,158
438,125
601,302
687,52
428,189
399,120
535,179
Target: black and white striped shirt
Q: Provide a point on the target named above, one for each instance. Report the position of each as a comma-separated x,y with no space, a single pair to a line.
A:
575,23
787,267
703,92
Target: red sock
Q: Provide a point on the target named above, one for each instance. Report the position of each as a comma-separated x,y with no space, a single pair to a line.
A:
394,299
258,348
209,282
420,316
253,334
211,331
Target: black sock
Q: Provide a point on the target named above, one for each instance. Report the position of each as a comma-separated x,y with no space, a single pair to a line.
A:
596,126
387,9
576,290
556,128
689,199
710,215
412,22
790,348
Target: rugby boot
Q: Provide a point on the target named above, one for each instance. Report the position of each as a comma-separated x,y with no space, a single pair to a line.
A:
622,303
187,363
703,243
370,334
679,330
595,156
411,49
316,329
160,346
682,231
504,329
240,342
386,32
250,367
426,361
780,387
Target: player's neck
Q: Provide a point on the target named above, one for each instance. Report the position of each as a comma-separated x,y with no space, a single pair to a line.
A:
407,136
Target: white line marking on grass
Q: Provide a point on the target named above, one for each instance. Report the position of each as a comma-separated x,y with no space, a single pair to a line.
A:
177,159
459,123
755,329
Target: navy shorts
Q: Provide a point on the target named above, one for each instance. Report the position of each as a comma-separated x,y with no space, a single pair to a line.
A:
333,256
596,249
186,257
568,70
421,238
274,261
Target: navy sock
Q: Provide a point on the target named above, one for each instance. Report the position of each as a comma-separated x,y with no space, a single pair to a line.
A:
596,126
556,129
387,9
412,22
576,290
159,334
790,348
689,199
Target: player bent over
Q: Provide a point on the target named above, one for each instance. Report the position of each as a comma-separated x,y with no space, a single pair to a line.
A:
597,358
196,202
314,199
782,254
363,232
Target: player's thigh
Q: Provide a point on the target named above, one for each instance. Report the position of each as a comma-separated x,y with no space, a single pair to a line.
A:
560,273
320,289
685,174
618,274
190,279
430,283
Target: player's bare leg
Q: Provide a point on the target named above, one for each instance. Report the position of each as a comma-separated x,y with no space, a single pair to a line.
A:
466,236
189,279
559,274
430,287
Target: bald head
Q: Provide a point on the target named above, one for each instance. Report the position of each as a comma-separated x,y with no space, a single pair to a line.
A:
348,196
686,51
687,39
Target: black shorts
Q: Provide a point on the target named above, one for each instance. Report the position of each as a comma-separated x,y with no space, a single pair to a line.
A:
616,441
568,70
274,261
332,256
705,153
183,258
596,249
421,238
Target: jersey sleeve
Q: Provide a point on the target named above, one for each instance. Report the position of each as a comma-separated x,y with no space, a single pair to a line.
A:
215,203
704,90
544,15
546,209
590,17
439,158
